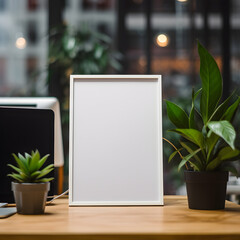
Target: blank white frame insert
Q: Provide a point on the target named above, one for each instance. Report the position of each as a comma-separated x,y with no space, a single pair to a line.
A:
115,140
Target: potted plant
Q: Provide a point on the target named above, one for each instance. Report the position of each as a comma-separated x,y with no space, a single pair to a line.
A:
30,187
207,138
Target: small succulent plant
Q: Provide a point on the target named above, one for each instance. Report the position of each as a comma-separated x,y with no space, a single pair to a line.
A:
29,166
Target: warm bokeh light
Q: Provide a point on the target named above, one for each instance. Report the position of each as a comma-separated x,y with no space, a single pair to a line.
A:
21,43
142,61
182,0
162,40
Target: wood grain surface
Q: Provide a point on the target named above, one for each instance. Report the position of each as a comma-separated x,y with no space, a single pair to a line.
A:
172,221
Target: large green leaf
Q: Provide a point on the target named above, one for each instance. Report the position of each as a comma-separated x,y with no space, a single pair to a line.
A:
195,118
223,129
221,109
187,158
191,148
226,153
177,115
198,120
192,123
211,142
192,135
211,83
173,154
229,114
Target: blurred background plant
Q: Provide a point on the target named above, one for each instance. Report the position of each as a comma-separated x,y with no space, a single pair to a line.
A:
77,51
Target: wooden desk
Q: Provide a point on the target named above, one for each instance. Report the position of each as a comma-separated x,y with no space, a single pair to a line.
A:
173,221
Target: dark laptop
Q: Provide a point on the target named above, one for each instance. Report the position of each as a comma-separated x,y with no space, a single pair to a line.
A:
24,130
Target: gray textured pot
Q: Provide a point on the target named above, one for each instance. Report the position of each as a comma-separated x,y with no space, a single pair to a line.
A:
30,198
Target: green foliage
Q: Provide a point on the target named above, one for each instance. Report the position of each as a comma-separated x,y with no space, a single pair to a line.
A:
80,51
177,115
28,168
211,83
77,51
208,131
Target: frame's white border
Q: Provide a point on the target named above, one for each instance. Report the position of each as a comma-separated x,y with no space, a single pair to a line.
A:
71,131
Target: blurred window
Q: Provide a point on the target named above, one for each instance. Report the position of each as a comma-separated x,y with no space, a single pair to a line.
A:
154,37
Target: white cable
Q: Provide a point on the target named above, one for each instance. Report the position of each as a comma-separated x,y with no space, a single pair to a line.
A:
64,193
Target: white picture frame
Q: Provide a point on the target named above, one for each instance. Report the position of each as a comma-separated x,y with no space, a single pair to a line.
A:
115,144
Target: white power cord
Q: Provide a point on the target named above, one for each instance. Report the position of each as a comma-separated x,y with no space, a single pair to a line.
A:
47,203
58,196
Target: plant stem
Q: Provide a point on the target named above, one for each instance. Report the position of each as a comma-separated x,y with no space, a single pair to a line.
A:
176,150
